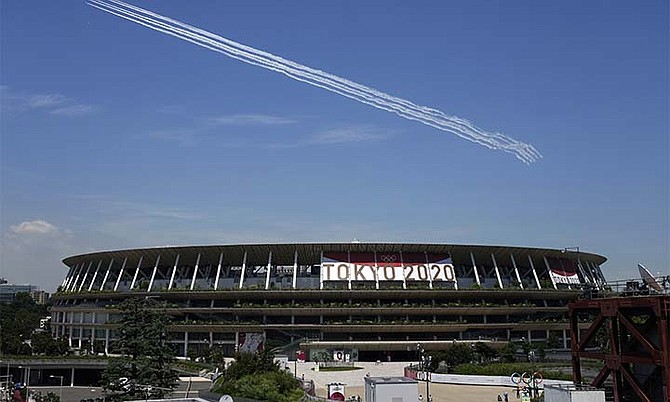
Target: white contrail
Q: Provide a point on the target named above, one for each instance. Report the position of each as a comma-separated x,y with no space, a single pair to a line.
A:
370,96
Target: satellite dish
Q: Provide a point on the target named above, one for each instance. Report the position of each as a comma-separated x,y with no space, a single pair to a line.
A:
226,398
648,278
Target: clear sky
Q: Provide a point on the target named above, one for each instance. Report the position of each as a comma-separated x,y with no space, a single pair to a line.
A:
117,136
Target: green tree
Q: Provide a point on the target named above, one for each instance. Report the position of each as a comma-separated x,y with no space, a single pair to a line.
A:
553,342
18,320
542,351
43,344
144,369
508,352
271,387
257,376
216,356
250,364
456,354
484,352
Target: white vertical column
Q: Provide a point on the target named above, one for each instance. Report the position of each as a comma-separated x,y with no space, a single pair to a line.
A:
118,278
153,274
66,281
516,270
244,269
430,277
71,328
195,271
71,277
598,273
104,278
376,271
546,264
321,271
584,273
268,271
474,268
295,269
349,268
404,279
174,271
454,271
218,271
532,268
83,280
595,278
137,271
67,278
95,275
73,285
495,266
76,279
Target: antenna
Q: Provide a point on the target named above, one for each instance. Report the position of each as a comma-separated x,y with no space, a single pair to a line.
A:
648,278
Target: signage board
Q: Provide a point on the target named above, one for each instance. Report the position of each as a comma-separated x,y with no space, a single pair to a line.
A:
387,267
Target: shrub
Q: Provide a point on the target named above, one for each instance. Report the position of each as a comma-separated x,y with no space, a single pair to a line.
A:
506,369
257,376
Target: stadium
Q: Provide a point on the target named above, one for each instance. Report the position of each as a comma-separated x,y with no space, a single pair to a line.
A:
350,301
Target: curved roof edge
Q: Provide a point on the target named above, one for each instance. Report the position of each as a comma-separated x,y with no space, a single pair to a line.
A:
307,248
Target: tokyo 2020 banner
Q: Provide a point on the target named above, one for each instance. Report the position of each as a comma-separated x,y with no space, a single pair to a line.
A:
563,271
387,267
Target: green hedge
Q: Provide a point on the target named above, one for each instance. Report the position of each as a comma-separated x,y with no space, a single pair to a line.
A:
506,369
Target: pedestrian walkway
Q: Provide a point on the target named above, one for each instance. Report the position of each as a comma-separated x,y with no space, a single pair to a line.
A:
355,383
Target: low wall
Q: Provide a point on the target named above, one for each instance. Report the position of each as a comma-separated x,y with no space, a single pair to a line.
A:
464,379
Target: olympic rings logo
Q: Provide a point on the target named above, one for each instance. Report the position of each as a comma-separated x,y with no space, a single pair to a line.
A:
388,258
526,378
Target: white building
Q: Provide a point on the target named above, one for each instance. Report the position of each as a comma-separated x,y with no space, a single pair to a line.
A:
391,389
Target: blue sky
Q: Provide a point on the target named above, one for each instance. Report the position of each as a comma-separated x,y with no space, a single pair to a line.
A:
116,136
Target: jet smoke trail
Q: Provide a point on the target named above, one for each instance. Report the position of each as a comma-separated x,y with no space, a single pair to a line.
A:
361,93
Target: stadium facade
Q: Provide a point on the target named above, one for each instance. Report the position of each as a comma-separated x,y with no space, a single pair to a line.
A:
358,301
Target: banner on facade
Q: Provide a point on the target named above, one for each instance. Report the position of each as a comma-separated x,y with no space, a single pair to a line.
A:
563,270
387,267
250,341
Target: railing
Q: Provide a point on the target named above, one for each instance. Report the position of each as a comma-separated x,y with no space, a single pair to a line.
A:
628,287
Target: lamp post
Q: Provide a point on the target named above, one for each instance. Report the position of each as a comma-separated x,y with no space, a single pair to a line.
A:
208,345
60,390
424,366
295,365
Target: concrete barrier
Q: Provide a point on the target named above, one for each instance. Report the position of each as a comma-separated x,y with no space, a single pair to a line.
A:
464,379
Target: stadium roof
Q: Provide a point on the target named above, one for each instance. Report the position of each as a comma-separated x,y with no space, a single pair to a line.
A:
283,253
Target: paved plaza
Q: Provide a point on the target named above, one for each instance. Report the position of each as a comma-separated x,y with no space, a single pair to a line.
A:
354,381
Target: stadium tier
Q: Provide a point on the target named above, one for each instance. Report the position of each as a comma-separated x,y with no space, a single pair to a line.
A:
356,301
